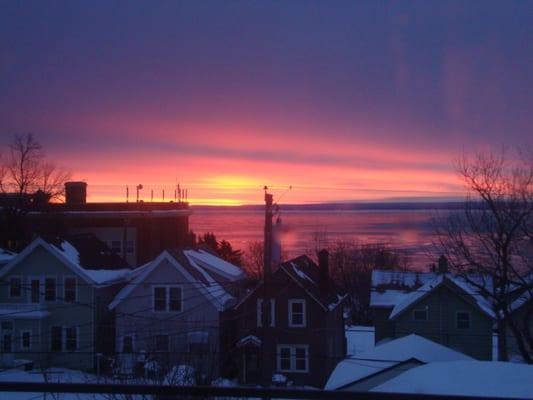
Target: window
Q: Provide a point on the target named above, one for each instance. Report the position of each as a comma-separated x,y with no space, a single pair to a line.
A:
56,338
161,343
198,342
116,246
69,290
25,340
127,344
50,289
462,319
167,298
174,301
35,285
271,311
130,247
7,336
15,286
71,339
420,314
293,358
297,317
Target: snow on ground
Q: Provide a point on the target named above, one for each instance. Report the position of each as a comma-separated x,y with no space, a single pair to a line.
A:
53,375
467,378
359,339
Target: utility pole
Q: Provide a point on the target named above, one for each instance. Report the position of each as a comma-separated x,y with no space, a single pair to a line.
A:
265,306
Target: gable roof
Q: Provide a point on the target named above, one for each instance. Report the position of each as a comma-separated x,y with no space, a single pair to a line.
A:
387,355
469,294
195,272
6,256
66,255
305,273
400,290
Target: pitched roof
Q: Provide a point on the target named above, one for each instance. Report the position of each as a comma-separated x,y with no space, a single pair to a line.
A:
204,272
465,378
6,256
423,291
387,355
69,256
400,290
306,273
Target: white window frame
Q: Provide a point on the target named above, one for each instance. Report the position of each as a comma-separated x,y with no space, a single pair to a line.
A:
22,347
43,284
132,343
167,298
65,288
292,324
77,330
292,349
425,310
19,277
457,318
41,287
272,310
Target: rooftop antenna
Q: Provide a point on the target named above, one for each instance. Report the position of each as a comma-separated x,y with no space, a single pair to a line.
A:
127,194
163,195
152,196
139,187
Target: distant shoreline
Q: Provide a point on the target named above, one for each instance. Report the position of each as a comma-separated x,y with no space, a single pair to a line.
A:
455,205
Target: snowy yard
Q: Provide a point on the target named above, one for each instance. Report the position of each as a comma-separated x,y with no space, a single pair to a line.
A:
359,339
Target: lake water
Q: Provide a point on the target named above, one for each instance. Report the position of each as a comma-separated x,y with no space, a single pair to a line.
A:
409,230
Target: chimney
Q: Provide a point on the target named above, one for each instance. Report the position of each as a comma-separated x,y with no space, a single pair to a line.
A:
75,192
267,243
443,265
323,270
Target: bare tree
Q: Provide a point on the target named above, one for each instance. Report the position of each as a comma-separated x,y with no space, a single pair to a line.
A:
488,243
23,163
351,266
52,180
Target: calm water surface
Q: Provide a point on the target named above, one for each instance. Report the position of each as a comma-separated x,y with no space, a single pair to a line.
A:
409,230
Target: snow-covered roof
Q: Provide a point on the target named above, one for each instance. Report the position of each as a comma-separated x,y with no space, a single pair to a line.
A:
6,256
250,339
215,264
387,355
416,295
386,298
465,378
194,266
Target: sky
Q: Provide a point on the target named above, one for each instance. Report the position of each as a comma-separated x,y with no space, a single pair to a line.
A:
341,100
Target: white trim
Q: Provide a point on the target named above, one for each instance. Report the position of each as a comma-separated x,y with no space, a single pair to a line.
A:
292,360
41,292
304,313
148,268
457,319
65,277
167,298
22,348
21,279
77,330
53,251
45,277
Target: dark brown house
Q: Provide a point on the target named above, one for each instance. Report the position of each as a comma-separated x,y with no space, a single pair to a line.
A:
291,324
137,231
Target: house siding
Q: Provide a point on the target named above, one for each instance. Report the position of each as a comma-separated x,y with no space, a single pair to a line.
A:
323,333
135,316
40,263
442,305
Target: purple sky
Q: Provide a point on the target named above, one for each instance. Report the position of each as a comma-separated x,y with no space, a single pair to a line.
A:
343,100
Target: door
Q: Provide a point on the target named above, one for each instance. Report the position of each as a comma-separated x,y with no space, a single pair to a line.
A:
6,335
251,365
